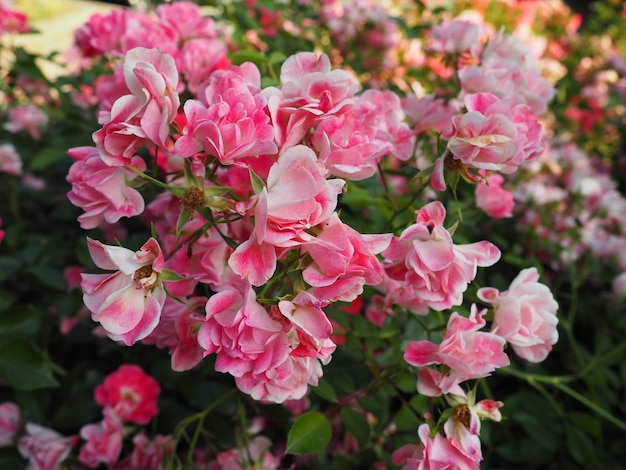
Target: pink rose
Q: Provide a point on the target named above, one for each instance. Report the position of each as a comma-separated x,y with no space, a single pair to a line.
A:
10,160
29,117
9,423
525,315
493,199
130,393
466,353
433,453
455,36
44,448
101,190
127,303
103,440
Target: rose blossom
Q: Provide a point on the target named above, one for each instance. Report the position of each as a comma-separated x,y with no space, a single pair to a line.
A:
101,190
130,393
103,440
44,448
127,303
493,199
10,160
525,315
466,352
28,117
9,423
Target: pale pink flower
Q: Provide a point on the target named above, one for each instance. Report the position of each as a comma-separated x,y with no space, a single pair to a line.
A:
147,454
618,285
256,454
229,121
28,117
130,393
455,36
9,423
10,160
199,57
290,380
127,303
186,20
462,429
343,261
466,352
44,448
242,333
429,113
349,147
297,197
152,78
495,134
525,315
427,267
178,330
382,110
309,90
313,329
101,190
493,199
103,441
432,453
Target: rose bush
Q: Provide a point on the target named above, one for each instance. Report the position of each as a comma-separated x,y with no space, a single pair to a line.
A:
221,249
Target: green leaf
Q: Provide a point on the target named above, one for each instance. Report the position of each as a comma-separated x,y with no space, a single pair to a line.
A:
356,424
325,390
257,182
23,366
310,433
47,157
19,321
49,277
239,57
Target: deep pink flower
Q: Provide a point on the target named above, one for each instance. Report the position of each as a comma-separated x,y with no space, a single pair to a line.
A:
256,454
101,190
44,448
130,393
127,303
12,21
525,315
9,423
466,352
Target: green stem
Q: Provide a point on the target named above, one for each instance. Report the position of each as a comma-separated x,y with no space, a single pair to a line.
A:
557,382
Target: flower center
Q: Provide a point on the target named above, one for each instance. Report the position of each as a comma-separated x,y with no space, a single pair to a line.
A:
145,277
463,415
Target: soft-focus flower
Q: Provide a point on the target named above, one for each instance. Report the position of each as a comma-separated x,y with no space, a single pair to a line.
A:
29,117
9,423
525,315
455,36
44,448
493,199
10,160
127,303
103,440
130,393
